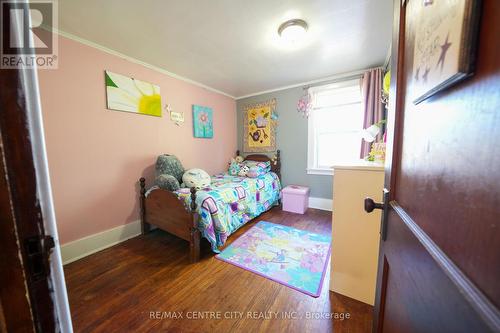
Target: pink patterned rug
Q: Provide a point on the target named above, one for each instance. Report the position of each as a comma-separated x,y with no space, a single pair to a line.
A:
296,258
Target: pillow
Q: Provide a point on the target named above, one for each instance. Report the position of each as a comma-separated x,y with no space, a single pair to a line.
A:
167,182
243,170
234,168
196,178
256,171
265,166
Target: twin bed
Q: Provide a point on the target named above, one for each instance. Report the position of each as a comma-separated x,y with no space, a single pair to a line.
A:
214,212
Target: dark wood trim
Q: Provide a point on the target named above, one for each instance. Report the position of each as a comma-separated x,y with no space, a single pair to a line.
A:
393,145
194,242
396,98
145,227
383,292
472,294
25,267
13,291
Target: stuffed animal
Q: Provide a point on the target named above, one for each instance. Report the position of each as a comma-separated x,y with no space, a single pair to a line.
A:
238,159
169,171
167,182
196,178
243,171
274,159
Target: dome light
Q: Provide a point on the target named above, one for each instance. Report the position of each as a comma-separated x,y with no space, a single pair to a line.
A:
292,31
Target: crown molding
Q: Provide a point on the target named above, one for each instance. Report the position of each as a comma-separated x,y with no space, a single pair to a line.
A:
199,84
328,79
137,61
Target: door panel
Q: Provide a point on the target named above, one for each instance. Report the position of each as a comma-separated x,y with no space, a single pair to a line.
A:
449,158
439,265
420,297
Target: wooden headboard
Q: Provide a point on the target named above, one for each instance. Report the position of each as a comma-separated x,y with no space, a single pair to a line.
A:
275,166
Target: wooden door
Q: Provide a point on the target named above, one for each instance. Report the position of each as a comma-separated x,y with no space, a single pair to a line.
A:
439,265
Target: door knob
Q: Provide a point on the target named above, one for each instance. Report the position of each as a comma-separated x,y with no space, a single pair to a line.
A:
370,205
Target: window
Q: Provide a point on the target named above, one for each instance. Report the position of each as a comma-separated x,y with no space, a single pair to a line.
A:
335,125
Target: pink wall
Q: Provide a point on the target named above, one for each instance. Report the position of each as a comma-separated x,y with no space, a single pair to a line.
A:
96,155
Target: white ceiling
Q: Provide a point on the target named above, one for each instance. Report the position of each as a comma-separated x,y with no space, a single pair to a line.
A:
232,45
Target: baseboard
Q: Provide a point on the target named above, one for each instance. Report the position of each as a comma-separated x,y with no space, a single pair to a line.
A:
321,203
85,246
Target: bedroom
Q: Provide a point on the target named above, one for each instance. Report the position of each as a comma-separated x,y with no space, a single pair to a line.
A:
253,166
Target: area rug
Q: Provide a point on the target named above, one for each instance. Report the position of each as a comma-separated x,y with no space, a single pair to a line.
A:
296,258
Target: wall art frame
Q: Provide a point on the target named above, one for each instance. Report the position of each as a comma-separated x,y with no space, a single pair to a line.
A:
259,127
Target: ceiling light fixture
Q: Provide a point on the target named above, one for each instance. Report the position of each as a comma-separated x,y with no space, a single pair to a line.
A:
293,31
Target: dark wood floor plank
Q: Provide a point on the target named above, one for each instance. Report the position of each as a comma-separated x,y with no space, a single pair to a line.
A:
116,289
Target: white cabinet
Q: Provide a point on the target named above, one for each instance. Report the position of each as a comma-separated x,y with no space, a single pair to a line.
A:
355,233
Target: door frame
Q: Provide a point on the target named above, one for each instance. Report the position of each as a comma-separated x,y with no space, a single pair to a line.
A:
33,291
394,126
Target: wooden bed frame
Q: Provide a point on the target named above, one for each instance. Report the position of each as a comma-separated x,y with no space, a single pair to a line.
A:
163,209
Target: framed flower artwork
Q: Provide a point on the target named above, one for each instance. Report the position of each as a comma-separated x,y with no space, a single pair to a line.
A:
202,122
259,127
131,95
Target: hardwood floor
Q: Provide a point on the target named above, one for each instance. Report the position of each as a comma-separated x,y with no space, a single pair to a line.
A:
147,284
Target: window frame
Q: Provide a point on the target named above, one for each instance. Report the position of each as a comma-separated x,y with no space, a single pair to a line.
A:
312,167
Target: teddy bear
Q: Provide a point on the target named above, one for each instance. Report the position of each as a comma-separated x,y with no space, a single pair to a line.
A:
169,171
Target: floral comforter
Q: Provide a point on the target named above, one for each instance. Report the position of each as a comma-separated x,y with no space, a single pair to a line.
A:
230,202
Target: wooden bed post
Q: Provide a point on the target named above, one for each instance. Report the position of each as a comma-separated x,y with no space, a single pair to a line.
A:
145,227
194,244
278,163
278,170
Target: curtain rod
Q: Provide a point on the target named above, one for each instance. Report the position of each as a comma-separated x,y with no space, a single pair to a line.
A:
339,78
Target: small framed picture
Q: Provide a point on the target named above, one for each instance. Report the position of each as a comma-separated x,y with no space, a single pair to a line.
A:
202,122
445,43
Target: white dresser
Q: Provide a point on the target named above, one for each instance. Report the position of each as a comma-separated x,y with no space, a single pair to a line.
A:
355,233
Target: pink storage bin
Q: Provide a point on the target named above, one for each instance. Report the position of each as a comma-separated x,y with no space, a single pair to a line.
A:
295,198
